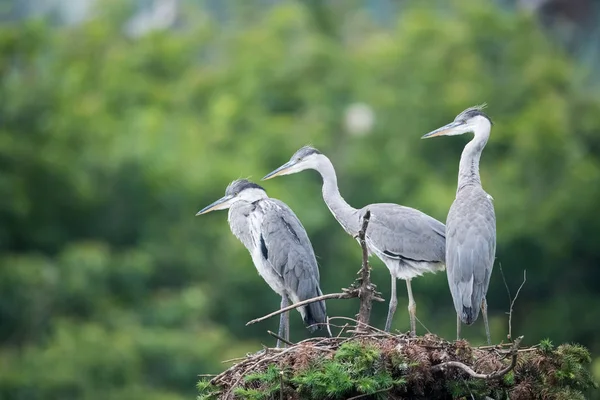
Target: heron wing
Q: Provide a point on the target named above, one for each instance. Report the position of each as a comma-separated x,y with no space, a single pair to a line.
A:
407,233
290,252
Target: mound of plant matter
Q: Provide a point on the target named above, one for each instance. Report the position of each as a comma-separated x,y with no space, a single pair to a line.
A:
372,364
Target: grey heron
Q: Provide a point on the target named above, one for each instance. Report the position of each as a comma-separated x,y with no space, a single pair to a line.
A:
408,241
279,247
471,223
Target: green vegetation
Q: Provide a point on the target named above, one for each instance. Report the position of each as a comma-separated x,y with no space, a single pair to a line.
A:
398,368
354,370
110,288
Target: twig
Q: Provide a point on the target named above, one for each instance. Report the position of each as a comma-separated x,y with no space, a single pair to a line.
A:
369,326
493,375
494,346
360,396
505,284
419,321
513,303
342,330
280,385
347,295
233,360
510,299
276,336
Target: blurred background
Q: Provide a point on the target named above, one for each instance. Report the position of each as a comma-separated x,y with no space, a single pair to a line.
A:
119,120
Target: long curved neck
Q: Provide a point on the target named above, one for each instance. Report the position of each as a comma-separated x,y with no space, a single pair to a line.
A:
468,171
341,210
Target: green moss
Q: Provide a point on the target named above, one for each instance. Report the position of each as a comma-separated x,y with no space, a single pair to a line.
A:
546,346
572,360
509,379
251,394
355,369
207,391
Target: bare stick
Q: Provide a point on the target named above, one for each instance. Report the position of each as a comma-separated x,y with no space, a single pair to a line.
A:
347,295
493,375
365,291
512,303
419,321
280,385
505,284
233,360
370,327
510,299
342,330
276,336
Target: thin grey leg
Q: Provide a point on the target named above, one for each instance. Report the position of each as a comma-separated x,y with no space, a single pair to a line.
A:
485,321
457,327
287,327
282,320
412,309
392,308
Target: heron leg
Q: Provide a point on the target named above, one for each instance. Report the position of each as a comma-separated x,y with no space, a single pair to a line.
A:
393,304
457,327
287,326
485,321
282,320
412,309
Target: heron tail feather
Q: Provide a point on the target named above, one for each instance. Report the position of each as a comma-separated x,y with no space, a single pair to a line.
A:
315,316
469,314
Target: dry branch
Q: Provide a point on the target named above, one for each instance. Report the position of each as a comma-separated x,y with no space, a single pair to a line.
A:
510,299
494,375
276,336
366,290
348,294
512,303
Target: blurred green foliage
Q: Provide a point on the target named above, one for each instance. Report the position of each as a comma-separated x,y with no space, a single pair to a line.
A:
111,288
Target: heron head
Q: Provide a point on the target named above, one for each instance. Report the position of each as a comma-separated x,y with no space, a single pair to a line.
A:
305,158
238,190
467,121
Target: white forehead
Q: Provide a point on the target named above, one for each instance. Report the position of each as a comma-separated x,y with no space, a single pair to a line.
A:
251,194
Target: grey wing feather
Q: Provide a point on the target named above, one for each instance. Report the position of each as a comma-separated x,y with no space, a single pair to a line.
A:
407,233
471,248
291,254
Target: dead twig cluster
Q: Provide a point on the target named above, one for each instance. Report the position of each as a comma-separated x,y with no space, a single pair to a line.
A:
492,375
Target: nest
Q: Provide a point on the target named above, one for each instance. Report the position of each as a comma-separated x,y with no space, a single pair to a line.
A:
370,363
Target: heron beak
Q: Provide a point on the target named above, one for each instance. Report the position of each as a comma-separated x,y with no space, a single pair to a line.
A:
453,128
279,171
221,204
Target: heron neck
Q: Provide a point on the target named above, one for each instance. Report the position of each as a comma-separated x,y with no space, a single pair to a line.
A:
468,171
341,210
